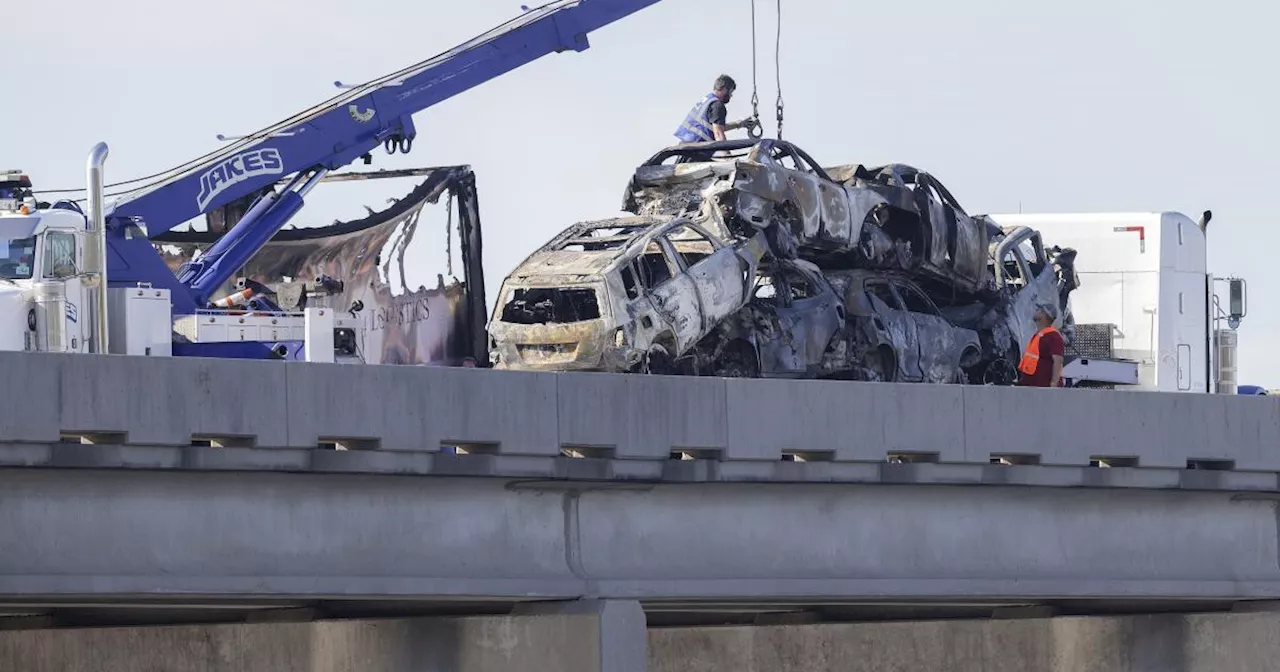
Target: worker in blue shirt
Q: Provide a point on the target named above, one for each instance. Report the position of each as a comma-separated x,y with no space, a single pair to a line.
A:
706,122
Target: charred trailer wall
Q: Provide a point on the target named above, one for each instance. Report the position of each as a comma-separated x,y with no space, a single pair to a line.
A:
472,242
440,325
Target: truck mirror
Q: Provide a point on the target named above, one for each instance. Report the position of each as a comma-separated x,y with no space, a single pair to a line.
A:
1236,299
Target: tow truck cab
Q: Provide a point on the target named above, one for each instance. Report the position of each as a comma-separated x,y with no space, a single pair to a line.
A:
42,282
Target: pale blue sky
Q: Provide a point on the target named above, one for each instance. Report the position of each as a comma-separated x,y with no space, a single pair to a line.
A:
1079,106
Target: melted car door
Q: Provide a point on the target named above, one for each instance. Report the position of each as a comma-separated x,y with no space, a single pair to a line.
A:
934,334
901,327
779,342
675,297
649,324
717,273
817,316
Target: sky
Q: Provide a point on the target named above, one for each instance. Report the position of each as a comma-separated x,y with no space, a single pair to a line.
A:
1087,106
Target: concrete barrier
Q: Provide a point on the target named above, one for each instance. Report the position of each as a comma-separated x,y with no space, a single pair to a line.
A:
641,416
170,402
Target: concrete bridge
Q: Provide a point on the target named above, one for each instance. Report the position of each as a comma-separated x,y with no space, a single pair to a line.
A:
139,491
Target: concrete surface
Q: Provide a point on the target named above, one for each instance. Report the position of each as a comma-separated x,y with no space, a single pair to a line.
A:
168,402
616,643
591,637
117,534
1162,643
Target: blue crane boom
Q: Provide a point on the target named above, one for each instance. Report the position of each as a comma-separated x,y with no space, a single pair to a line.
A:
326,137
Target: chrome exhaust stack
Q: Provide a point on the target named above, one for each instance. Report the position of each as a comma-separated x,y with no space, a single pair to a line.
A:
96,254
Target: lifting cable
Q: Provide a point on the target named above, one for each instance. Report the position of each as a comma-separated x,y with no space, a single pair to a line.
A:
777,63
754,131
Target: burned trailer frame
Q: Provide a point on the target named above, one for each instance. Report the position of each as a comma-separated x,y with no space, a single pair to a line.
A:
291,250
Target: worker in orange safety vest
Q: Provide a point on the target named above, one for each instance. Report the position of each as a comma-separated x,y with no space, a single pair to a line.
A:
1041,364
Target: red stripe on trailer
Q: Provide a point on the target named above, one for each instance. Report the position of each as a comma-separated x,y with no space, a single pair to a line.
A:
1142,235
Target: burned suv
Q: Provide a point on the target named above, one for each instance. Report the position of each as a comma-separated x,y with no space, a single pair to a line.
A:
625,294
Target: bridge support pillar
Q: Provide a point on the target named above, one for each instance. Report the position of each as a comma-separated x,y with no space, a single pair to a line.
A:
588,635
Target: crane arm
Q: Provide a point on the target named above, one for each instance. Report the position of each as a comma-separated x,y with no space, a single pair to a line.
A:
353,123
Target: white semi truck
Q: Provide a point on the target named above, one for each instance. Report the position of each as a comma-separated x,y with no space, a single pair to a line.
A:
1146,311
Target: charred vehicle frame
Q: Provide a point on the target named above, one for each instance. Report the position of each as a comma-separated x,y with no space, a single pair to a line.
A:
624,294
863,324
893,217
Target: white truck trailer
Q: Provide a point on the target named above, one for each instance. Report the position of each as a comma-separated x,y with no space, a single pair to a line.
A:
1147,313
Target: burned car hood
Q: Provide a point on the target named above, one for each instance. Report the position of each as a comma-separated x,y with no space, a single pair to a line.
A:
563,266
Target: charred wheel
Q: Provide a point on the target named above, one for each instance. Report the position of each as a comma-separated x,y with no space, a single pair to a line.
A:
971,368
996,372
737,361
883,365
657,361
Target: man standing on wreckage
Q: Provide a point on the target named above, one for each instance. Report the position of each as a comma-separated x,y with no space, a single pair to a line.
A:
706,122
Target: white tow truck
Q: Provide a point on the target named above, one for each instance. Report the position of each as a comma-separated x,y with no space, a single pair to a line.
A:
1146,311
54,295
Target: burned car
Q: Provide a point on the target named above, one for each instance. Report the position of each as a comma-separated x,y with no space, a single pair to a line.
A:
792,327
803,322
1024,273
892,217
899,334
625,294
